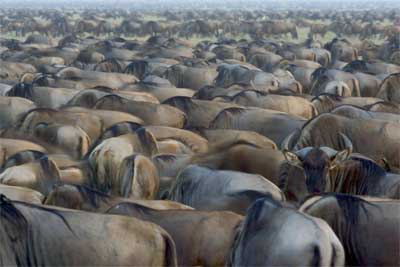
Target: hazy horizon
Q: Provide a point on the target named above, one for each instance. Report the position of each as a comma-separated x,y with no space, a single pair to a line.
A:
205,4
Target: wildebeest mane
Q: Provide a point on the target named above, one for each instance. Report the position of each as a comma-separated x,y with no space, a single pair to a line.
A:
239,84
115,132
11,217
12,44
112,97
309,122
51,211
138,66
182,102
166,157
287,92
113,65
235,243
16,229
283,175
93,196
356,65
47,110
231,110
103,88
351,206
21,89
142,210
329,95
317,73
257,92
329,45
41,80
118,39
360,173
370,168
133,126
66,40
353,106
15,133
215,154
385,103
18,157
202,92
225,98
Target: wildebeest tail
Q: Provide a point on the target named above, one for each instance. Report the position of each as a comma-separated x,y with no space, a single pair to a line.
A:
316,259
170,258
229,261
338,254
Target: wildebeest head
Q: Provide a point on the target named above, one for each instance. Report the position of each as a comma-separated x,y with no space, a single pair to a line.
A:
317,163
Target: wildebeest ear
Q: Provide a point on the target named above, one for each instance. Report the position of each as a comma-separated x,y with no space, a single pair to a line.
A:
339,157
292,158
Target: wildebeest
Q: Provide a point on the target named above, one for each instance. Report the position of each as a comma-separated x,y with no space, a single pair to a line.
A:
88,97
214,137
12,109
39,175
72,140
91,124
273,124
118,162
388,89
368,228
108,106
73,232
10,147
322,78
199,113
80,197
325,102
190,77
243,156
273,235
323,169
44,97
381,136
355,112
201,237
206,189
21,194
290,104
150,113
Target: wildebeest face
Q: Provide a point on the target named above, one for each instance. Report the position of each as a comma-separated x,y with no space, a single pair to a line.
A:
316,164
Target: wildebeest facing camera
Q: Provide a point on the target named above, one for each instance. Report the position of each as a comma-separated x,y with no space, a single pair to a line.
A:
199,133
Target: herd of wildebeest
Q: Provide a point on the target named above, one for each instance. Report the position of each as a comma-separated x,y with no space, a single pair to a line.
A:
123,142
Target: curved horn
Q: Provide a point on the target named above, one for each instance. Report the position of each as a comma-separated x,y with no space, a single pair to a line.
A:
347,142
26,74
287,142
37,77
252,85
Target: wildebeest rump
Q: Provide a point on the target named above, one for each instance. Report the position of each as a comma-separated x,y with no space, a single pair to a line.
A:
368,229
73,233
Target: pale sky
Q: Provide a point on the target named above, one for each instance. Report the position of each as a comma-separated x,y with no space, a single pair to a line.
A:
165,4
